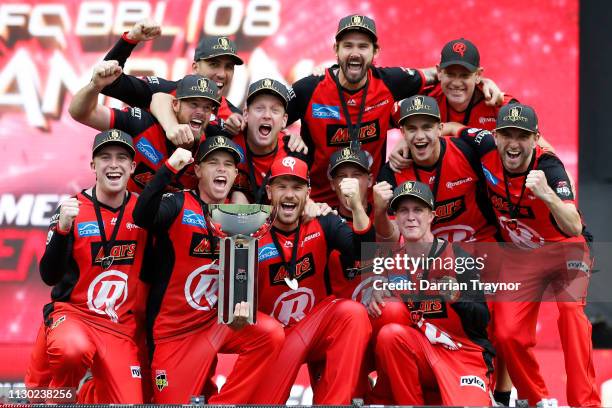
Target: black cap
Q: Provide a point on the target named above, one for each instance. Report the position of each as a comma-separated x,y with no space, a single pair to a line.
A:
460,52
519,116
218,142
412,189
418,105
198,86
348,155
357,22
214,46
113,137
271,86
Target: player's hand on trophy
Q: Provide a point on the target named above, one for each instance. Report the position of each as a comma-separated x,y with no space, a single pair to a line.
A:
105,73
399,157
377,302
181,136
383,192
296,144
234,124
144,30
537,183
180,158
68,212
349,187
241,314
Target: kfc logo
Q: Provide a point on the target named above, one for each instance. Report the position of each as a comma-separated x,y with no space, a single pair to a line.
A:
202,286
107,292
288,162
292,306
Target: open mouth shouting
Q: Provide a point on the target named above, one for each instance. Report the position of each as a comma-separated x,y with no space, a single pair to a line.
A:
113,176
265,129
513,157
220,184
288,209
421,148
196,125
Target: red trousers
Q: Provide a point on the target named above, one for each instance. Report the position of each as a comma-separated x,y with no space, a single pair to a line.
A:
73,346
181,366
547,273
38,373
335,331
413,365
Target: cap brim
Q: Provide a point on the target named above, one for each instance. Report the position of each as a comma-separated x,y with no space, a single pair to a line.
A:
268,91
289,174
356,28
401,119
351,161
395,200
199,96
235,153
116,143
236,58
465,64
517,127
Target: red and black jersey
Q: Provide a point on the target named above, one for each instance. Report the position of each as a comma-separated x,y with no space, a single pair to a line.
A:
72,262
152,148
478,114
324,125
463,212
184,288
137,92
461,324
316,239
254,170
345,274
524,219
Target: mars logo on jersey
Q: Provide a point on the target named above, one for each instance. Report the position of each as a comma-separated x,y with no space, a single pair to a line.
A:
501,204
161,380
520,234
107,292
292,306
200,247
448,210
201,287
304,267
432,307
338,135
123,253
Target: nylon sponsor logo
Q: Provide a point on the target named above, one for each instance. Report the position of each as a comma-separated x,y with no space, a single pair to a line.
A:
135,370
489,176
192,218
146,148
88,229
311,236
268,252
578,265
472,381
453,184
325,111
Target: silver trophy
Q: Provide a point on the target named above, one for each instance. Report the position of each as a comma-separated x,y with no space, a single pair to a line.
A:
238,226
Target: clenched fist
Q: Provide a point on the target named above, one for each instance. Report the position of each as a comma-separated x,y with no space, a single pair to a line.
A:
105,73
349,187
68,212
181,136
144,30
180,158
383,192
537,183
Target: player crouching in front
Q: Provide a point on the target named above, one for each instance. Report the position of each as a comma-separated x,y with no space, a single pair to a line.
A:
441,353
292,261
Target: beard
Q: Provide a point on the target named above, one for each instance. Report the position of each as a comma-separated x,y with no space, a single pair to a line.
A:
351,76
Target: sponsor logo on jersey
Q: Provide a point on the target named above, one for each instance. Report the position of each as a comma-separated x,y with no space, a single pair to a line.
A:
337,135
268,251
482,120
489,176
431,307
311,236
563,189
135,370
452,184
151,153
377,105
123,253
481,135
161,380
193,218
304,268
88,229
153,80
578,265
501,204
472,381
136,113
293,305
448,210
325,111
202,287
200,246
107,292
59,321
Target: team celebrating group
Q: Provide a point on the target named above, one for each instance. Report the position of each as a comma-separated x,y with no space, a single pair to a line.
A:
133,260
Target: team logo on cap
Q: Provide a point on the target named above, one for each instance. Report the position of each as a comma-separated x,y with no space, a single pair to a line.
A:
347,153
356,20
288,162
515,115
219,142
459,48
408,187
224,43
267,83
418,104
202,84
113,135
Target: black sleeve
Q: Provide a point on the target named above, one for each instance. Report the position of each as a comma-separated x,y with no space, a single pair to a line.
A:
342,237
303,90
556,176
388,175
402,82
155,210
132,121
121,51
56,259
471,305
480,140
216,129
298,155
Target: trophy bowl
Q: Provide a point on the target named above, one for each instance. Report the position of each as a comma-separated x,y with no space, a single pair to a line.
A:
241,219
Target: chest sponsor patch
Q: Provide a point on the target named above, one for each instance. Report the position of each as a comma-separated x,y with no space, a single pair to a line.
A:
123,253
325,111
491,179
431,307
268,251
149,151
191,217
338,135
472,381
448,210
304,268
201,246
501,204
88,229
